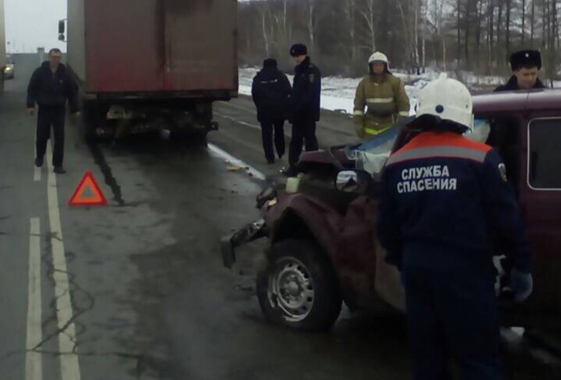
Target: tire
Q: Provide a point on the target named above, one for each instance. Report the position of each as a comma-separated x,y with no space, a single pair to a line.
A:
299,267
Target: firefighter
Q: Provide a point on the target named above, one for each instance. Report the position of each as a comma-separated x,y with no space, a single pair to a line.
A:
305,102
444,199
271,92
384,96
525,66
51,87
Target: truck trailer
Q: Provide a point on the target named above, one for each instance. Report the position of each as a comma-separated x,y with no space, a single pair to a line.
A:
151,64
2,44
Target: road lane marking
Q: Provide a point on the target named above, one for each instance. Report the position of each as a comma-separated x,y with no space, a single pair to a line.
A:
234,161
237,121
34,360
251,110
69,364
36,170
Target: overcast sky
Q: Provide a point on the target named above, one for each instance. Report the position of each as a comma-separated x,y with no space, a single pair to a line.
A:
33,23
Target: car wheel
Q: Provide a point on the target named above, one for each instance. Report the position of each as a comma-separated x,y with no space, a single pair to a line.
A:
298,287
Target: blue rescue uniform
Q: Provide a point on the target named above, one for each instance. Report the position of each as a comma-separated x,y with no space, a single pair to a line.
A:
446,207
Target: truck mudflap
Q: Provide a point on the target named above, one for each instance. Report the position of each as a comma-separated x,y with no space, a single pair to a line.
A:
247,234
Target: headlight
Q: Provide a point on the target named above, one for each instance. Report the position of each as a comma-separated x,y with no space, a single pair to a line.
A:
9,68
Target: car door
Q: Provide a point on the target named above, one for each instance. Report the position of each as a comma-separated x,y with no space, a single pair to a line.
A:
541,205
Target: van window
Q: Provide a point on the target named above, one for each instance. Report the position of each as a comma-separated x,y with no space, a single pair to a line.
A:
545,154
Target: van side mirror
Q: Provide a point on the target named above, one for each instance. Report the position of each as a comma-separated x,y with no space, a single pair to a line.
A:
352,182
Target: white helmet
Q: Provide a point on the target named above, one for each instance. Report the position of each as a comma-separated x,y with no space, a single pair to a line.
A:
378,57
447,99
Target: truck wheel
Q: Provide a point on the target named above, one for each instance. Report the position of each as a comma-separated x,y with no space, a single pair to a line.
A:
298,287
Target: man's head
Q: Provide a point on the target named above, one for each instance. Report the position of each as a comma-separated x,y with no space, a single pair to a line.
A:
270,63
526,65
55,56
299,52
378,63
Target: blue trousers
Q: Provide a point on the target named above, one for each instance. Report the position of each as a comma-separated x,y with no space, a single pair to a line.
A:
453,318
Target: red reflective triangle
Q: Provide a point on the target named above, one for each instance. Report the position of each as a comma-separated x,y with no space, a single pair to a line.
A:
88,193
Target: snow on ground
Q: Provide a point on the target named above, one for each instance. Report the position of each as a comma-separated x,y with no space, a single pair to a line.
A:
338,93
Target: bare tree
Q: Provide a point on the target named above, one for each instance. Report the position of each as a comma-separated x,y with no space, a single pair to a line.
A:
311,22
368,11
415,33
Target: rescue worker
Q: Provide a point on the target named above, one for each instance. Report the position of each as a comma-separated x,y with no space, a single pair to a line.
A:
271,93
305,106
444,199
51,87
384,96
525,65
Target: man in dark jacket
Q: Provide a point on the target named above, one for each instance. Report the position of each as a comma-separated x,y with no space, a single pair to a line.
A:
305,101
271,93
50,87
444,199
525,66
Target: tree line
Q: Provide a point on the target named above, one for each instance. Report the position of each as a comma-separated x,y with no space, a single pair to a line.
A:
451,35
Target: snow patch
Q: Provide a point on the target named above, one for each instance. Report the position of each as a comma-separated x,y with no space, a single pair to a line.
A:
338,93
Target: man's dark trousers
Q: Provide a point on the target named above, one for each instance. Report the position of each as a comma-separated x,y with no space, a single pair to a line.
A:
51,117
267,129
303,132
453,316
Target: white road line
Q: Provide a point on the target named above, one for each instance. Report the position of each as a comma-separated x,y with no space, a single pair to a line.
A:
36,170
69,365
34,360
234,161
253,111
237,121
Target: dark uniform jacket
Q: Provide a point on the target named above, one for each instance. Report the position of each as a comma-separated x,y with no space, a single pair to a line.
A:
49,89
306,93
271,94
445,204
512,85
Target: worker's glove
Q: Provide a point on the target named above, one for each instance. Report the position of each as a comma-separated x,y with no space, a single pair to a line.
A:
359,128
361,133
521,285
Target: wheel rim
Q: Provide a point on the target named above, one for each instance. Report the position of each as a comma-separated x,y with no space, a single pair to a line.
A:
291,289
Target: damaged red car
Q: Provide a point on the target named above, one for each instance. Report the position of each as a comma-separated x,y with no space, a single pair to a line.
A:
322,245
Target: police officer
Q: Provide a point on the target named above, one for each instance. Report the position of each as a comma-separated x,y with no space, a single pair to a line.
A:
305,103
384,96
525,66
50,87
271,92
444,199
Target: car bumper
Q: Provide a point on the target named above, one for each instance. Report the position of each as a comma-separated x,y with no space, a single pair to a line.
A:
249,233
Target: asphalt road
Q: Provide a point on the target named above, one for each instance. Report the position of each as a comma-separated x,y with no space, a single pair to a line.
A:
136,289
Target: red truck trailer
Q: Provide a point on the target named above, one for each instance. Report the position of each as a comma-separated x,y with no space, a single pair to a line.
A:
152,64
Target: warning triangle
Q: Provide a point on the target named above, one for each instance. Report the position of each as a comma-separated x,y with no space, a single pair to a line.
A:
88,193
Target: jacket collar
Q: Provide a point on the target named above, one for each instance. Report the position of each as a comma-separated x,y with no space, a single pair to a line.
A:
305,64
512,83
